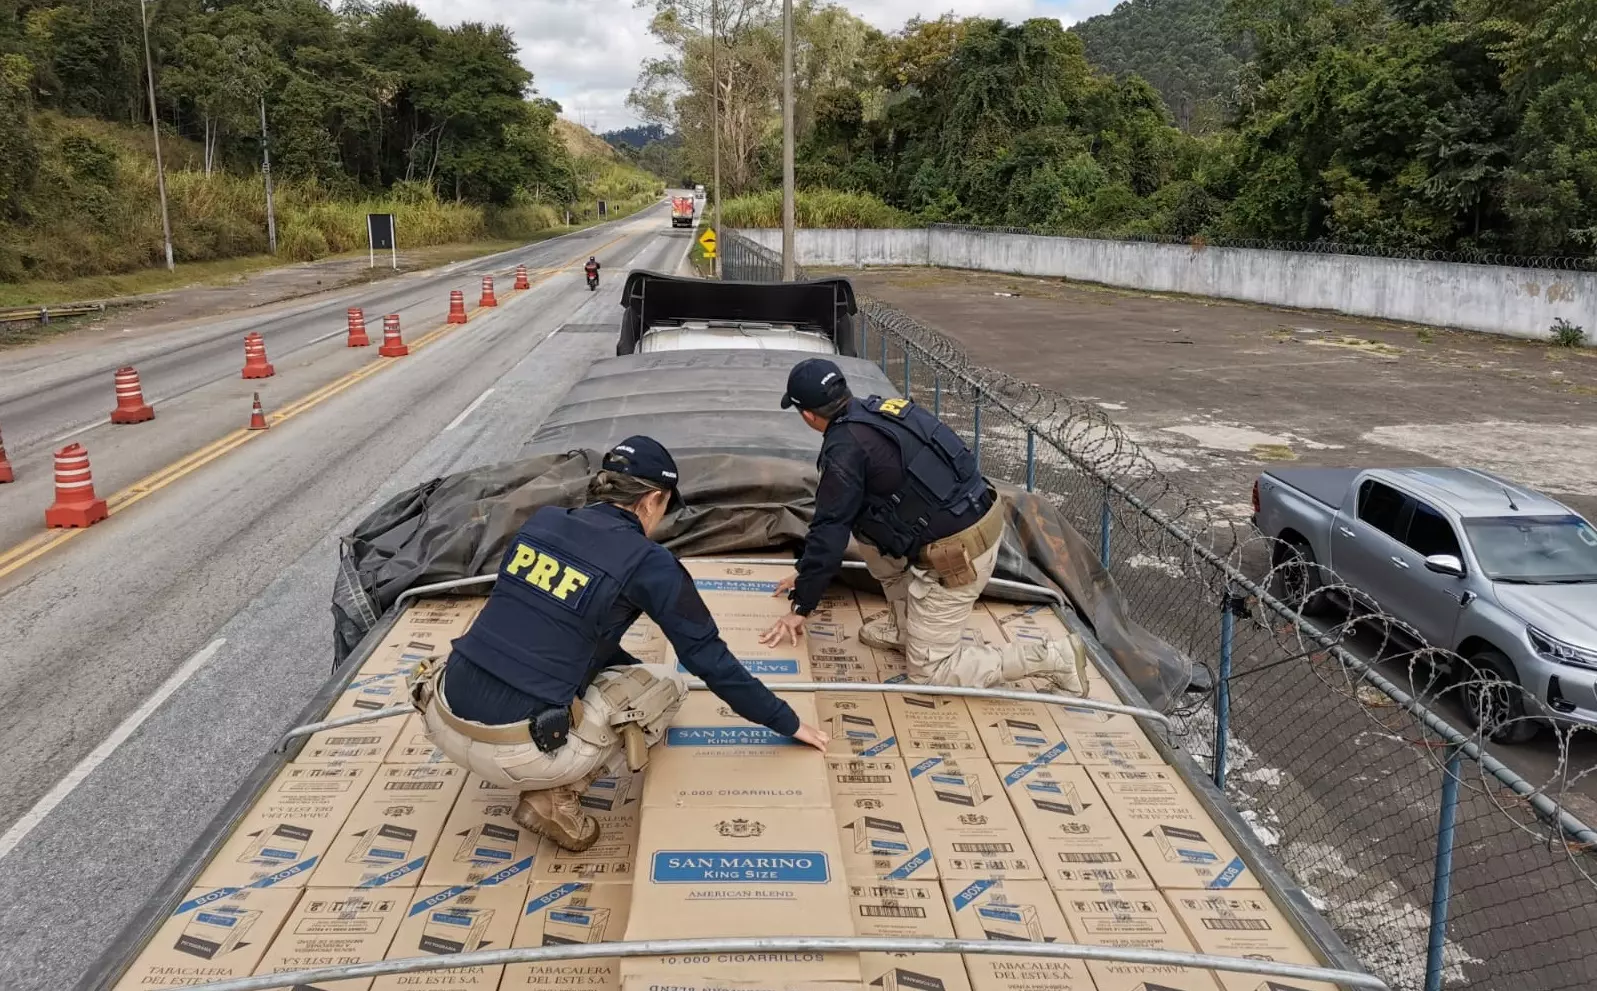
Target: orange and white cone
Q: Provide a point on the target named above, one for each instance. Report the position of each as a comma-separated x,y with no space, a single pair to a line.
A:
258,415
6,474
357,328
393,343
130,404
488,297
75,501
457,306
255,363
521,278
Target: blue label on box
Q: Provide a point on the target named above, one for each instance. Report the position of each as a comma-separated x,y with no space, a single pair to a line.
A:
733,585
1228,876
726,867
543,901
972,892
726,736
910,866
756,666
880,748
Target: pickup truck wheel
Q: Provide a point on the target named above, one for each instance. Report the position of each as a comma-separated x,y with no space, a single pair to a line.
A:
1297,580
1494,702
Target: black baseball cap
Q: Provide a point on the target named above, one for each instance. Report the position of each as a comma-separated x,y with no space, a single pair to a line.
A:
814,383
645,458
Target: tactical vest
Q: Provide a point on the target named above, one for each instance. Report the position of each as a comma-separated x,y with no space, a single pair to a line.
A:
545,623
940,474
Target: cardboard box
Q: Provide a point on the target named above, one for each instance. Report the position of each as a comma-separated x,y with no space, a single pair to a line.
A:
906,909
332,926
368,742
1104,739
1022,623
833,638
289,829
878,820
1138,920
832,669
934,726
1013,910
974,832
214,934
570,912
393,829
617,804
750,977
445,921
712,758
858,722
737,872
645,641
1244,924
442,617
1014,732
404,650
1075,836
412,745
1172,834
479,838
370,692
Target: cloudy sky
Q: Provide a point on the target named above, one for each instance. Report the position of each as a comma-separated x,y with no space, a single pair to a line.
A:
586,53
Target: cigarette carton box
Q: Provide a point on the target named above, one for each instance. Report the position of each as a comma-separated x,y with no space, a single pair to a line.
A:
559,913
645,641
934,726
1244,924
369,742
404,650
1172,834
336,925
753,977
370,692
444,617
616,803
905,909
1015,732
878,820
1136,920
858,722
480,838
1022,911
974,832
841,669
412,745
446,921
712,758
742,599
288,831
1104,738
393,829
1077,841
741,872
214,934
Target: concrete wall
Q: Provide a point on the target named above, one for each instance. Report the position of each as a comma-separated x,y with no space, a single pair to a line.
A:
1516,302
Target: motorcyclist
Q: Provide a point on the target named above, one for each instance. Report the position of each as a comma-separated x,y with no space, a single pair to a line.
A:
592,270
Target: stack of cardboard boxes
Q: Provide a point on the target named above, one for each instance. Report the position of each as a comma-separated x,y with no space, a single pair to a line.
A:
931,816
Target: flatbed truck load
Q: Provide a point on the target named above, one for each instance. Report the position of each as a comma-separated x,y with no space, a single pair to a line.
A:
952,839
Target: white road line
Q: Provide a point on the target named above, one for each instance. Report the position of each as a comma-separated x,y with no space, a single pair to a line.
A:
25,825
468,410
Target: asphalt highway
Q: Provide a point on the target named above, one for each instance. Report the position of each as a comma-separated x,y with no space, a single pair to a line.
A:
151,660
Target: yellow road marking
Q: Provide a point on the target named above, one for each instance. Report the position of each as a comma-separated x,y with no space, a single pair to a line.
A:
37,546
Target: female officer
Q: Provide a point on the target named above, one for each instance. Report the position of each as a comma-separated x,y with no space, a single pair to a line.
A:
540,697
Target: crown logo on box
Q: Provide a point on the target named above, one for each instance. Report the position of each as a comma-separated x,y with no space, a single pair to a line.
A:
739,828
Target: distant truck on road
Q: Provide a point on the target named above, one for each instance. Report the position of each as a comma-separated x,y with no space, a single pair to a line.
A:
681,211
1504,576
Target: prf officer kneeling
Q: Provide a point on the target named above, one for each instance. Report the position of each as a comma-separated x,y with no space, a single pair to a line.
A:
540,697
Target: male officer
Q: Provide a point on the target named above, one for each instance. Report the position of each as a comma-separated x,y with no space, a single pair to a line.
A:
929,526
539,696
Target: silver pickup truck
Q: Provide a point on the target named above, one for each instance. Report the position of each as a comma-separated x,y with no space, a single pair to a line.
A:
1504,576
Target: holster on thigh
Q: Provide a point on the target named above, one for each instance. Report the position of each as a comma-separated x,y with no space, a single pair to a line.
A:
636,704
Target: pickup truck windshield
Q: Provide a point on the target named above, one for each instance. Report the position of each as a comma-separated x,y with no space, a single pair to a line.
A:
1535,549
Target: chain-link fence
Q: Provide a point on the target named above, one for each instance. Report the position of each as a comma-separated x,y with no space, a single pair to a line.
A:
1336,731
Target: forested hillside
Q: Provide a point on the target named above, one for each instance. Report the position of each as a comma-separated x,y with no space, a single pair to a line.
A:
369,106
1394,124
1182,47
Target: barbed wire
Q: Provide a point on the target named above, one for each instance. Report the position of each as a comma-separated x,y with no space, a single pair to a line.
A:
1568,263
1344,721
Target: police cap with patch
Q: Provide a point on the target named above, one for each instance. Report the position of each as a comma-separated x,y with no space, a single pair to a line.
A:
645,458
813,384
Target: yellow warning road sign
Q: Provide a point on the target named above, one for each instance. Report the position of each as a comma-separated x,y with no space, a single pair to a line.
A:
707,240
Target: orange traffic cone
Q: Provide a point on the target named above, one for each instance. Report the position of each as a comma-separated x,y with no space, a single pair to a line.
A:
488,298
521,278
393,344
130,404
255,364
6,474
258,415
75,503
357,328
457,306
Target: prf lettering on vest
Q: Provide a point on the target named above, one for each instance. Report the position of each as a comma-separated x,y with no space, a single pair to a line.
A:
540,570
894,407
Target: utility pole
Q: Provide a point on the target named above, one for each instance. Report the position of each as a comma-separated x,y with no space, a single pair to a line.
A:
715,125
788,209
266,170
155,123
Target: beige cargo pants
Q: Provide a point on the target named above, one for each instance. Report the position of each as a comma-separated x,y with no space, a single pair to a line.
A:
932,618
648,694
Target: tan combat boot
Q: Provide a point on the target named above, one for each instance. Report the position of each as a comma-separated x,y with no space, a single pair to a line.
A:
557,813
886,633
1062,662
